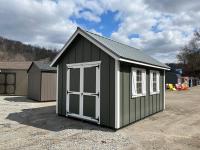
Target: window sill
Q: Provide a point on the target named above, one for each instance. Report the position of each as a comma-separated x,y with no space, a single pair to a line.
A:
154,93
139,95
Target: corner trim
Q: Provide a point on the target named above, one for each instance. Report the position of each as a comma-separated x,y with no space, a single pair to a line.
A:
117,94
164,102
57,89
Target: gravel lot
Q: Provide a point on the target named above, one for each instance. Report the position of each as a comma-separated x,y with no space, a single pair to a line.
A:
26,124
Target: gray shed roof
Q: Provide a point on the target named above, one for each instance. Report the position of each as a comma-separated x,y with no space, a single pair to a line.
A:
44,66
118,49
126,51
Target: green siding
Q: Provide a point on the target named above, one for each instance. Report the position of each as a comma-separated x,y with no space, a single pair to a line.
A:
134,109
81,50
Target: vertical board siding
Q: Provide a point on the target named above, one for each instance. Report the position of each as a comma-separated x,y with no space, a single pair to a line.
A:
134,109
81,50
126,97
142,107
112,93
137,107
154,103
34,83
104,98
61,90
48,88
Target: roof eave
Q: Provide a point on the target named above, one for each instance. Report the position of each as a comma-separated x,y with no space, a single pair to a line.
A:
143,64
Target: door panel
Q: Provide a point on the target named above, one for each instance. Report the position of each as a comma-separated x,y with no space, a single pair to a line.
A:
74,103
2,78
83,89
10,89
10,78
89,106
7,83
75,79
90,80
2,89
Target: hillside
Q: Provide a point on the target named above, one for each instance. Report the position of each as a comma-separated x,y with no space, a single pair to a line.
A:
11,50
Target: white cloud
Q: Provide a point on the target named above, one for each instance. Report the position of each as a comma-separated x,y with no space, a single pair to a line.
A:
48,23
175,21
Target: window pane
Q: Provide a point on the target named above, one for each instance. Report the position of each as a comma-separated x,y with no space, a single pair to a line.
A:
139,81
154,82
154,77
139,88
154,87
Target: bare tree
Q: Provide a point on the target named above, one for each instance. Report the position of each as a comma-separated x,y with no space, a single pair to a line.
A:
189,55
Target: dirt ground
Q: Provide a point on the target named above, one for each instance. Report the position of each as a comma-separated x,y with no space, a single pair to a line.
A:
26,124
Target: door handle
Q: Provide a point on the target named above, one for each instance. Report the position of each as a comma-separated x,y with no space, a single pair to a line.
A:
96,94
69,92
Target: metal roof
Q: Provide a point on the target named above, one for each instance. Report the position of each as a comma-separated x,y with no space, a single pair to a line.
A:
44,66
117,49
24,65
126,51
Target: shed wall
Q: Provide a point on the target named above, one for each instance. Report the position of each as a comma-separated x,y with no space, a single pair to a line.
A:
34,83
171,78
134,109
48,86
81,50
21,81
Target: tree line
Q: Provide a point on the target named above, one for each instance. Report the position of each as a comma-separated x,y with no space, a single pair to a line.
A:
11,50
189,56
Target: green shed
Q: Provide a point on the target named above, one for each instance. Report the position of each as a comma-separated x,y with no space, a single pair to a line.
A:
107,82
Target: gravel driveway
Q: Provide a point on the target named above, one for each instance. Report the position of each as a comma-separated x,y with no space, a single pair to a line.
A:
26,124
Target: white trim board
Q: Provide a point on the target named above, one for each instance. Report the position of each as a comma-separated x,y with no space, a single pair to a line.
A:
142,64
57,89
117,94
164,103
85,64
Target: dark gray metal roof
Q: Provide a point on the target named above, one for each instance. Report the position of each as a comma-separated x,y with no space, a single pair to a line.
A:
44,66
125,51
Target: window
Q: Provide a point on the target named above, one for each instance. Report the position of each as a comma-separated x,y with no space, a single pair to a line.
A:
154,82
138,82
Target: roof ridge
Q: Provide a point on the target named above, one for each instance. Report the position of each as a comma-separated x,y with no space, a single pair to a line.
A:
111,39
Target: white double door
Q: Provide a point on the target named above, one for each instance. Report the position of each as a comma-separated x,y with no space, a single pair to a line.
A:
83,91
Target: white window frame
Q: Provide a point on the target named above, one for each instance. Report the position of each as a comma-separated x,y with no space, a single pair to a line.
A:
134,82
157,82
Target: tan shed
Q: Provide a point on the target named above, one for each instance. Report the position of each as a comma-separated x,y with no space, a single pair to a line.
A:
14,78
41,82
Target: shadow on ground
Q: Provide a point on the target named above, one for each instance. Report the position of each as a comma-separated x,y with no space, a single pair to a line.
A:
19,99
46,118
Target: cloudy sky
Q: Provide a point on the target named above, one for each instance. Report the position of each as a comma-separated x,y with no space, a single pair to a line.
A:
159,27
